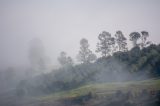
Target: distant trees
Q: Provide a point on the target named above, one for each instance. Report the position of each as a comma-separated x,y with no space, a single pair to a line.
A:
121,66
109,45
85,54
121,41
37,56
134,36
144,37
65,60
106,43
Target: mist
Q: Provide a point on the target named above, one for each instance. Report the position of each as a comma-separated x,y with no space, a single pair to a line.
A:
77,51
52,21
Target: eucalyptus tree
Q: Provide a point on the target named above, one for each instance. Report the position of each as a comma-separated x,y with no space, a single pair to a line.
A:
65,60
121,41
144,37
134,36
85,54
106,43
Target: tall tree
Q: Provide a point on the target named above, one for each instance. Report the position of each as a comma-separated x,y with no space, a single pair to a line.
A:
37,56
121,41
106,43
134,36
65,60
144,37
85,54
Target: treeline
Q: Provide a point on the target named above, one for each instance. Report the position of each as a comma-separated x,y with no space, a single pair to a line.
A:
117,63
107,45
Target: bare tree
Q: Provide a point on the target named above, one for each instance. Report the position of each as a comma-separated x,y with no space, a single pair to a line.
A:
85,54
106,43
121,41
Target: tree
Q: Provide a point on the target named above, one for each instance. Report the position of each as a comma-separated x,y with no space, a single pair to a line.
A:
121,41
144,36
134,54
37,56
65,60
85,54
134,36
70,61
106,43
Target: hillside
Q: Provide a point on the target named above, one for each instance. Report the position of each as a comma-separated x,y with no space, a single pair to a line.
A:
134,65
91,95
107,88
104,94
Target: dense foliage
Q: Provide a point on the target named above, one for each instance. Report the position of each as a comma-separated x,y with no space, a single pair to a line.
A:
136,64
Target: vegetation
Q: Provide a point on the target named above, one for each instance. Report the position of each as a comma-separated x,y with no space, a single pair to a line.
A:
117,64
121,41
106,43
106,89
65,60
113,77
85,54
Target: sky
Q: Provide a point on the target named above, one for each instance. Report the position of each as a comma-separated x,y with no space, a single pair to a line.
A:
60,24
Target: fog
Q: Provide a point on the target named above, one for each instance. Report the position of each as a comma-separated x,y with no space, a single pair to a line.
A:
40,41
61,24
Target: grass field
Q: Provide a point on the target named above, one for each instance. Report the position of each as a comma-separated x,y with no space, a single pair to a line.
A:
100,92
105,89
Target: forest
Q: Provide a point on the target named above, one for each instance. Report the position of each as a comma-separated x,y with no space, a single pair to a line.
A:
121,75
79,53
115,70
116,64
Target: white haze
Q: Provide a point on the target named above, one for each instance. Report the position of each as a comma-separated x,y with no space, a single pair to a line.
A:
60,24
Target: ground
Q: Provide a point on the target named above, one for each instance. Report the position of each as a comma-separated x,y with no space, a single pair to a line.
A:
131,93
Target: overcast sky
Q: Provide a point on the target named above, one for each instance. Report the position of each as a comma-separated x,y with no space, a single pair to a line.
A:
60,24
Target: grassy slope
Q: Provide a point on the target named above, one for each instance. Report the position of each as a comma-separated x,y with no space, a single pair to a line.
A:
105,89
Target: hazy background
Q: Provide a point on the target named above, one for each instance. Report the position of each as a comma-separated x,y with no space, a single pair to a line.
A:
60,24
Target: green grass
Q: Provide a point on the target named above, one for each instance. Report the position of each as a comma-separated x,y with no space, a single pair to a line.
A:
105,88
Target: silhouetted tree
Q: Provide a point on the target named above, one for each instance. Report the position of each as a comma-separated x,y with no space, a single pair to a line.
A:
85,54
106,43
65,60
121,41
144,37
134,36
